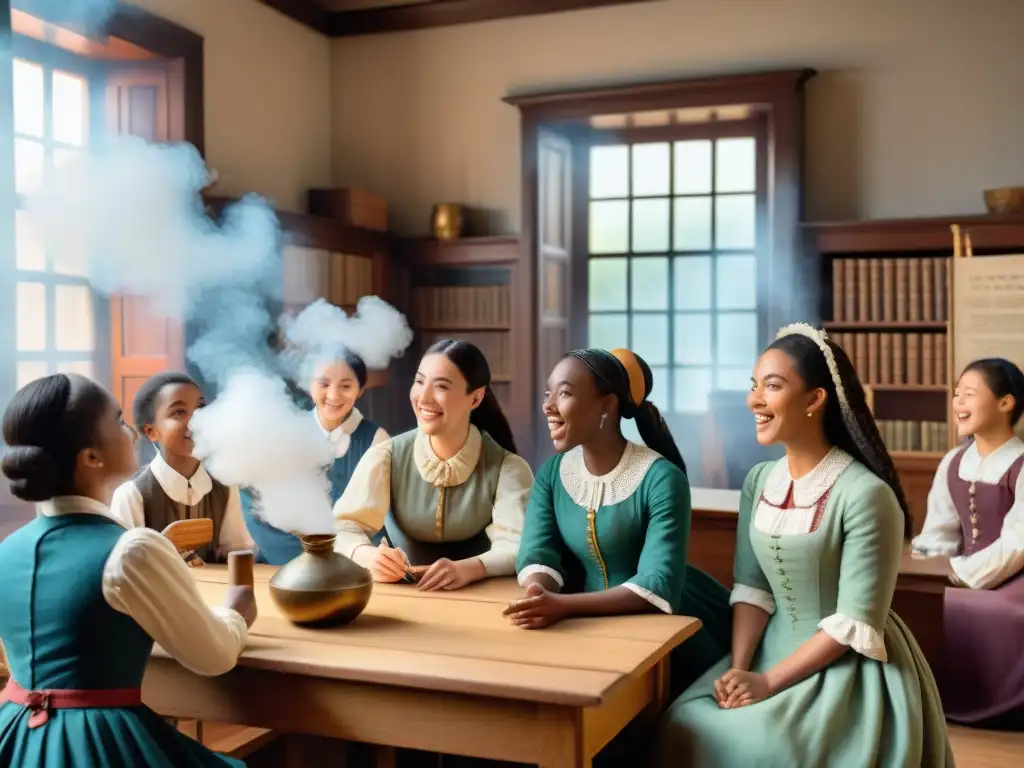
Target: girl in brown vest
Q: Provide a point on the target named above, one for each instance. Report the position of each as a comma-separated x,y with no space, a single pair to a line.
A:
175,485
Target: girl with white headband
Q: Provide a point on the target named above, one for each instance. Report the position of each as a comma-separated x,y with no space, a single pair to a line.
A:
822,672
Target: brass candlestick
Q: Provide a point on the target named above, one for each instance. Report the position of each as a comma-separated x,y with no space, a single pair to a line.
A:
446,221
240,569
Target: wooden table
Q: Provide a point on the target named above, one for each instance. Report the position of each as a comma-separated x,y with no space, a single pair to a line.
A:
920,598
442,672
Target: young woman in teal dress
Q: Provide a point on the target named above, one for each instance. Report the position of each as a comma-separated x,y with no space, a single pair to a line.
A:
83,599
608,522
338,379
443,502
821,673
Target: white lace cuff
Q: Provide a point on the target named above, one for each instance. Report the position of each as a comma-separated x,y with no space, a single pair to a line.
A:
861,637
658,602
532,569
758,598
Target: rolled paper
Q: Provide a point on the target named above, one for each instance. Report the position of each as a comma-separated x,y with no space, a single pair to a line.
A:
240,568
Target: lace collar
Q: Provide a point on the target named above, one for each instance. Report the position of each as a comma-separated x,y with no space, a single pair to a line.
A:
445,473
593,491
809,488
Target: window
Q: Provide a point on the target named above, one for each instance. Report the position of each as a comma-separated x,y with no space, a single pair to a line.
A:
55,310
672,258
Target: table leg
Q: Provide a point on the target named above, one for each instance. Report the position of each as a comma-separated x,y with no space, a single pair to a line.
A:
384,757
561,744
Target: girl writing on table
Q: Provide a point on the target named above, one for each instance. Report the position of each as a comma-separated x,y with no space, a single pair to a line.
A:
83,599
450,494
338,379
821,671
608,523
976,516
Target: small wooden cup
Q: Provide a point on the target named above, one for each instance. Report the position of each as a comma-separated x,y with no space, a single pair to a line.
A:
240,568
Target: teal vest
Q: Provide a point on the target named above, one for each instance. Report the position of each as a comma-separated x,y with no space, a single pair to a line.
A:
429,523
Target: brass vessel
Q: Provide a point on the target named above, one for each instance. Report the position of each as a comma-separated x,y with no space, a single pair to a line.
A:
320,588
446,221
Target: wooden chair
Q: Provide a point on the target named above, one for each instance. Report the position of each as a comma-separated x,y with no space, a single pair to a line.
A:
187,535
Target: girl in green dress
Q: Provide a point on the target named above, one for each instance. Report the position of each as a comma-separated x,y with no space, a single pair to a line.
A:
821,673
608,521
83,599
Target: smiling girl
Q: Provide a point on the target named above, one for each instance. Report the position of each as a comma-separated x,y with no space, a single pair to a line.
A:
976,516
337,380
449,495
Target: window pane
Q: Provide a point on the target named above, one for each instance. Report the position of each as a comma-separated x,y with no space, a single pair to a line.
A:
74,321
736,282
659,390
81,367
734,165
30,317
30,370
650,169
693,339
608,331
70,116
693,167
29,250
28,98
650,283
650,226
692,224
737,338
692,277
650,338
735,222
609,171
733,379
28,165
693,385
609,227
607,289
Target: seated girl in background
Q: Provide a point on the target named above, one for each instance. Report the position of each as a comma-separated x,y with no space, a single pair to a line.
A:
822,673
175,485
337,380
608,523
83,600
976,516
450,494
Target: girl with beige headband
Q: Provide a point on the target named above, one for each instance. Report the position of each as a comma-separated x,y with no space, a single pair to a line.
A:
608,521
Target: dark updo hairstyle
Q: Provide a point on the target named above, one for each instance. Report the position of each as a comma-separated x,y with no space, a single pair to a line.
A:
810,364
341,354
144,406
1003,378
47,424
611,378
488,416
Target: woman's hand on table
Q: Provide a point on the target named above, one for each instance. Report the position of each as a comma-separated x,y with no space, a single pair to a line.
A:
448,574
540,608
739,688
243,600
386,564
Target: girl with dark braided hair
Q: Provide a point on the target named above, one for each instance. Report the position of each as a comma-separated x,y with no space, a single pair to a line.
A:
608,521
821,670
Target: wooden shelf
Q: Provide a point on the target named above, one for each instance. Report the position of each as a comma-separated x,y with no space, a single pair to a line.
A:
884,388
917,456
887,325
465,328
903,235
466,252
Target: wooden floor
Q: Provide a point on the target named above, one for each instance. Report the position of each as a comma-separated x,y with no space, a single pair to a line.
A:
986,749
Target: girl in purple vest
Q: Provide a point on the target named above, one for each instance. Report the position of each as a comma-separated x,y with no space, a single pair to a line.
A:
976,516
337,380
175,485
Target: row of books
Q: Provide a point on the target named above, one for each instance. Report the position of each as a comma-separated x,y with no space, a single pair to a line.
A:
896,358
494,345
890,290
313,273
903,435
452,307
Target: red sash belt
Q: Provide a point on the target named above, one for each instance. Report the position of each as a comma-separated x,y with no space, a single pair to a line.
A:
41,702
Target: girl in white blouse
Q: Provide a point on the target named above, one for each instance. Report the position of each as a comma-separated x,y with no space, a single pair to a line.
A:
976,516
445,501
84,600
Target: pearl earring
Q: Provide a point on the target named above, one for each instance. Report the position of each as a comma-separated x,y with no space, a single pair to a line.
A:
603,417
809,414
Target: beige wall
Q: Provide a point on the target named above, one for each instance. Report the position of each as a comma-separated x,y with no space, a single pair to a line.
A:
917,108
267,90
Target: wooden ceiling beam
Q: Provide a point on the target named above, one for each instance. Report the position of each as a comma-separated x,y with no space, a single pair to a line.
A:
303,11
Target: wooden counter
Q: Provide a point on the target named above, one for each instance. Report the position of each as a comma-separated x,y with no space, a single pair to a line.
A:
442,672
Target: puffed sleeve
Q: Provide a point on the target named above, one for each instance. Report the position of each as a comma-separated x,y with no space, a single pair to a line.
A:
750,585
506,529
361,510
661,571
941,533
542,548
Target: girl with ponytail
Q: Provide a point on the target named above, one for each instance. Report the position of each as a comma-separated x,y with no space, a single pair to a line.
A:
445,501
629,556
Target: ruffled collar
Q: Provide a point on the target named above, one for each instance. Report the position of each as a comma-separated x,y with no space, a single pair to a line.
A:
809,489
445,473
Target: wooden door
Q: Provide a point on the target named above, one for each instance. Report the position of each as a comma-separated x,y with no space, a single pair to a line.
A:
146,103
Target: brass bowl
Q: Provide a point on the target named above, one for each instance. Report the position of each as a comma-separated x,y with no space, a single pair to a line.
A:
1005,201
320,587
446,221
